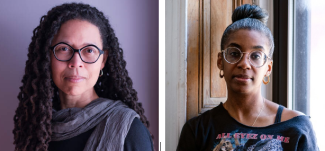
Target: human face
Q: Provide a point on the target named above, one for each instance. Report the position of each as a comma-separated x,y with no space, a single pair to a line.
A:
242,77
75,77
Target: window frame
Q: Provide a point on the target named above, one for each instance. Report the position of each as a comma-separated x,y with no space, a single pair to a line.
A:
280,56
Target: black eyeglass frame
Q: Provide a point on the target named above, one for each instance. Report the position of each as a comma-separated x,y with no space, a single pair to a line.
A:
76,50
242,54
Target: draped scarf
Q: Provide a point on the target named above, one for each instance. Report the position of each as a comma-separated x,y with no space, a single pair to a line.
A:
112,120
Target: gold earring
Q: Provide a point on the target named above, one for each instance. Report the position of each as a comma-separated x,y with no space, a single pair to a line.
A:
221,76
268,80
101,73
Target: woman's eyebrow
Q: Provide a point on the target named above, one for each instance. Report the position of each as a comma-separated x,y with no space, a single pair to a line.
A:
258,47
238,46
234,45
83,44
65,41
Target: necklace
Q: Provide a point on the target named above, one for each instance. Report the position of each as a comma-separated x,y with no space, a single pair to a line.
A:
260,111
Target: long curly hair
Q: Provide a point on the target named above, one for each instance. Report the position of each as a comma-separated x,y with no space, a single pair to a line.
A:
38,94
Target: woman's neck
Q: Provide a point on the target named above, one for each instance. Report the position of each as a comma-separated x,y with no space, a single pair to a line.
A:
245,108
80,101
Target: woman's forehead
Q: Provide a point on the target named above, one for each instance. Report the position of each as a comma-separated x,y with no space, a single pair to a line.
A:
248,39
78,33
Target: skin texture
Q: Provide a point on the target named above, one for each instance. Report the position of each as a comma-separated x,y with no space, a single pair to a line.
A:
245,100
76,79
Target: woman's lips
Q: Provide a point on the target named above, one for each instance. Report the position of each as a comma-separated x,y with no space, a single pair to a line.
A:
242,78
74,79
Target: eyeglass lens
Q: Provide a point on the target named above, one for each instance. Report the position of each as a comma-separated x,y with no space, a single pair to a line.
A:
256,58
88,54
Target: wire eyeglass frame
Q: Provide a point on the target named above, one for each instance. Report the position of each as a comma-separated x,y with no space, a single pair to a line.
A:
242,54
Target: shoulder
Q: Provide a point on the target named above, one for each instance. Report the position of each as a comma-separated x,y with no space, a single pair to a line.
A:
288,114
203,122
300,125
295,120
207,115
195,131
138,126
138,137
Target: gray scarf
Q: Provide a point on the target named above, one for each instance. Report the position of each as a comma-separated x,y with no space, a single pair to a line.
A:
112,120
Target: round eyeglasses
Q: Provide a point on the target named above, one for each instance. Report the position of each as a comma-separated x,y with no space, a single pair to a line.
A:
64,52
256,58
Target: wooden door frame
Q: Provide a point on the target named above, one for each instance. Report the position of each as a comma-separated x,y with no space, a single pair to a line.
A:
175,72
199,47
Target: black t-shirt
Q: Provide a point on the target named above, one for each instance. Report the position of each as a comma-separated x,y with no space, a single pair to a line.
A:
137,139
216,130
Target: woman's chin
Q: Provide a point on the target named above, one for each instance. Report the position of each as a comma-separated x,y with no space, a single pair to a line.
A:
72,91
242,89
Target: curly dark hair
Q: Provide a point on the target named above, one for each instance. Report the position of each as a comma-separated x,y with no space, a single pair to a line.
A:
38,95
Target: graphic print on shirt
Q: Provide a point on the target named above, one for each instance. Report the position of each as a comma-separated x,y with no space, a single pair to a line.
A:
239,141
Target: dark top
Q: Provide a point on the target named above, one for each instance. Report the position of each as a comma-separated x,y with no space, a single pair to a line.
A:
216,130
137,139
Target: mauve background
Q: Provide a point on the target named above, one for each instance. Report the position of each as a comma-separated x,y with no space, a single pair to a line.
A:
135,23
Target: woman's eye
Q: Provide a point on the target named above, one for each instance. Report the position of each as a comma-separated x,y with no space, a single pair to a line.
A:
89,51
256,56
64,49
235,54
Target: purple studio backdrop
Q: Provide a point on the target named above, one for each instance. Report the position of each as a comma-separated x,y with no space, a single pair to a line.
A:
135,23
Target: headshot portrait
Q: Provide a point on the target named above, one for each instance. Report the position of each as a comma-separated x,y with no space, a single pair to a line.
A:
240,75
81,75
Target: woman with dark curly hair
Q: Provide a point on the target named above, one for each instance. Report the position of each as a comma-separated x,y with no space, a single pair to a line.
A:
247,121
76,92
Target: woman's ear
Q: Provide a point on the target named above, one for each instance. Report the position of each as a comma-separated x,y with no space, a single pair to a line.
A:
105,55
269,68
220,62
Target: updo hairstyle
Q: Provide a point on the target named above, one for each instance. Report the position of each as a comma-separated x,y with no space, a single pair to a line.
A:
250,17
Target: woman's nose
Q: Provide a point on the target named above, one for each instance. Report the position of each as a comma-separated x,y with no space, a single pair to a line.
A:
244,62
76,61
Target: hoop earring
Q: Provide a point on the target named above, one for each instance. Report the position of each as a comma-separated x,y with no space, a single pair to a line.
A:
268,80
221,76
101,73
